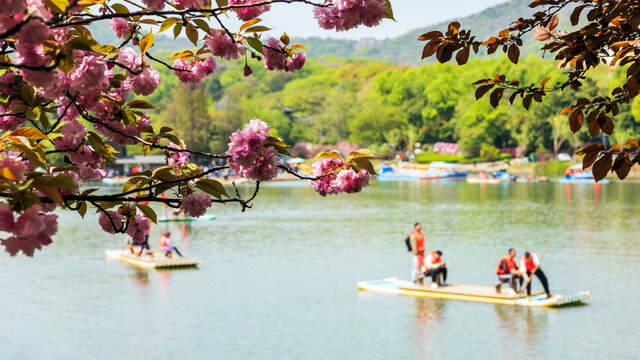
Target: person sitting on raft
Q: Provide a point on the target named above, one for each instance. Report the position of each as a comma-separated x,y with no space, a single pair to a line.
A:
529,264
434,266
507,270
165,244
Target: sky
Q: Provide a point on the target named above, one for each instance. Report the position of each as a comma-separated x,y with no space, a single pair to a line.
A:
297,19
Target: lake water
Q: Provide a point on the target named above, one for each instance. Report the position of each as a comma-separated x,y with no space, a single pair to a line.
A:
279,281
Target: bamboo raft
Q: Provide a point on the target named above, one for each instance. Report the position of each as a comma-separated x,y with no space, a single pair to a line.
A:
157,261
466,292
188,219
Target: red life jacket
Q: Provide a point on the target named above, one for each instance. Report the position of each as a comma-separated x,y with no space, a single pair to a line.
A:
163,241
510,265
148,228
419,242
529,264
434,261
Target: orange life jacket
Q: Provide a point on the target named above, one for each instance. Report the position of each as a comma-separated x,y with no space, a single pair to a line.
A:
434,261
419,242
163,241
528,263
148,228
510,265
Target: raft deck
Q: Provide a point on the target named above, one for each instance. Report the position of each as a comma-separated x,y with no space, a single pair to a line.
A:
188,219
157,261
467,292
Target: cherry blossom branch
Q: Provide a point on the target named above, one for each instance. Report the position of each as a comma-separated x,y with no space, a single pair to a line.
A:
165,64
301,177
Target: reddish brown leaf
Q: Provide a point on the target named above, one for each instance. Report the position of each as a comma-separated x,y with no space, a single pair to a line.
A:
496,95
622,166
553,23
513,53
594,128
526,101
480,91
602,166
545,81
589,159
575,15
430,35
575,120
591,148
607,126
430,48
566,110
463,55
631,144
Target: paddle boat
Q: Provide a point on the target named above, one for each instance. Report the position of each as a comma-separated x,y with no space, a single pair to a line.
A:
187,219
155,259
574,174
466,292
443,170
494,178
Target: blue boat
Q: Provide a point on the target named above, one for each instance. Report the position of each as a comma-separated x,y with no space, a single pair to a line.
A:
575,175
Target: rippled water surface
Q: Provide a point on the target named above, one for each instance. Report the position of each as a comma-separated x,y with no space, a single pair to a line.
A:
279,281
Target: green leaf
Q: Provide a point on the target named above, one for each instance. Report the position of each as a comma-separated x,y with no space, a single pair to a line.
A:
192,33
167,23
58,182
328,155
120,9
258,28
134,182
29,94
366,164
212,187
146,42
140,104
148,211
176,30
255,43
202,25
366,153
222,3
389,14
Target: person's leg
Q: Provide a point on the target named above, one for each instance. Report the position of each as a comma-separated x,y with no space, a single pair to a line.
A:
528,284
177,251
433,273
520,280
543,280
444,274
415,271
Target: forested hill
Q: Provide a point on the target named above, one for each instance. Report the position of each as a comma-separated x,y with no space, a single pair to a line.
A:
406,49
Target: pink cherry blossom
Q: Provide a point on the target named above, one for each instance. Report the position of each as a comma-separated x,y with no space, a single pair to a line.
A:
130,58
10,7
274,59
91,172
137,228
350,182
204,68
296,62
74,133
9,123
6,218
222,45
120,26
326,167
194,4
89,74
248,13
34,32
247,155
177,158
196,72
147,82
347,14
31,230
195,205
154,4
37,6
107,225
14,165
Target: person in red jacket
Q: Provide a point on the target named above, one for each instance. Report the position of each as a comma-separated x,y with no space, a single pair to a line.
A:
416,240
507,270
434,266
530,265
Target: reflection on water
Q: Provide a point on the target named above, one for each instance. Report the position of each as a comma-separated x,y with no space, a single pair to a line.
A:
279,281
427,315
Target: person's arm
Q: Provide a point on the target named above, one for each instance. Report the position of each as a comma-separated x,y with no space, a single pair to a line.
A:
428,262
536,261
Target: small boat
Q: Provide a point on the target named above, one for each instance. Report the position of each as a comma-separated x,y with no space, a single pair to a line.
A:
157,261
465,292
575,175
495,178
188,219
443,170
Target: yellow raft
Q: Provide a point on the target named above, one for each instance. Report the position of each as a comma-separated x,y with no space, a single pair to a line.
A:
158,260
465,292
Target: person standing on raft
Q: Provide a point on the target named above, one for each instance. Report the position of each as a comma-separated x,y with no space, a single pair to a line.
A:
434,266
507,270
416,239
529,264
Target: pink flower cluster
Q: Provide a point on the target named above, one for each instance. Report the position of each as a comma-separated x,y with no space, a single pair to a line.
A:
137,227
248,13
154,4
195,71
11,7
335,179
348,14
247,155
193,4
120,26
177,158
15,166
73,135
195,205
222,45
30,231
104,219
275,57
89,74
